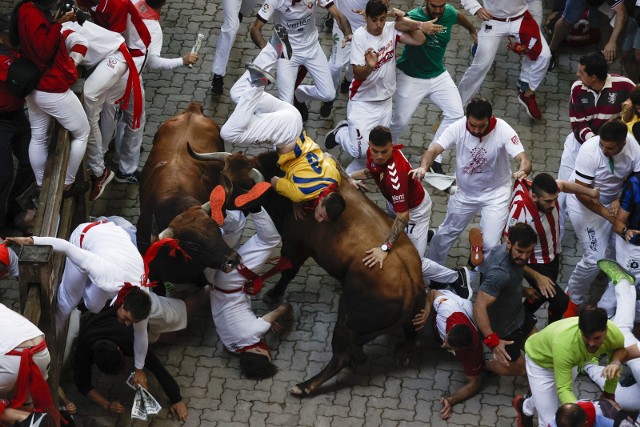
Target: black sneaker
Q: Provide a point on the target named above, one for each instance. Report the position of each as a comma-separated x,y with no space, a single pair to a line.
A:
217,84
436,167
325,109
330,139
553,62
302,108
124,178
462,286
430,233
344,86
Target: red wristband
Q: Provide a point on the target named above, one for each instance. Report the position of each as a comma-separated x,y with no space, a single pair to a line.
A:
492,341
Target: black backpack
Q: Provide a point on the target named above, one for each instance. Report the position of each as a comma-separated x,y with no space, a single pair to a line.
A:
22,77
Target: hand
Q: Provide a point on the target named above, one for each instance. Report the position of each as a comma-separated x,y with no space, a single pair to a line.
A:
595,195
140,378
500,353
613,207
346,39
430,27
419,320
612,370
447,408
546,286
179,410
418,173
359,184
630,234
190,58
519,174
531,295
69,16
375,256
358,11
298,211
610,51
484,14
20,241
371,58
115,407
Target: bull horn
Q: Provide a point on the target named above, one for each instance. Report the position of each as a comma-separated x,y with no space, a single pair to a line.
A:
220,155
256,175
207,208
166,233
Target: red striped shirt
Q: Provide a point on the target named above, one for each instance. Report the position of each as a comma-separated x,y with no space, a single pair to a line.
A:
546,225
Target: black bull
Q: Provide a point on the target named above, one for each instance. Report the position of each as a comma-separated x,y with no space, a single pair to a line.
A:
373,301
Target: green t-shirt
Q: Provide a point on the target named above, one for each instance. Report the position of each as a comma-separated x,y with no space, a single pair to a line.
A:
427,61
560,347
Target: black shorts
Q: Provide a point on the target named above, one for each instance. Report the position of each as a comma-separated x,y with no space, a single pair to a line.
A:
519,336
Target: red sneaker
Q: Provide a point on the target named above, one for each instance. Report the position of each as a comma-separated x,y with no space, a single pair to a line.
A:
572,310
216,202
475,240
254,194
523,420
99,183
531,105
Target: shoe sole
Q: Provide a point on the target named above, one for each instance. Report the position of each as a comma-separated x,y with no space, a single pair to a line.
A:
603,262
282,34
104,185
475,240
467,276
253,67
216,201
526,108
124,180
254,194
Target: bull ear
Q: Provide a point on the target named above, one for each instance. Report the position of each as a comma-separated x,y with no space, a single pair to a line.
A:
166,234
154,230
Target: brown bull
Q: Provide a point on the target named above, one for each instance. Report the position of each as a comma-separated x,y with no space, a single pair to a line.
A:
373,301
173,188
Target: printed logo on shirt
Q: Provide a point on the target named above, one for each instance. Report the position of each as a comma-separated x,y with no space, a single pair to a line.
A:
584,100
299,25
265,8
633,265
397,198
515,140
512,222
478,161
612,98
112,63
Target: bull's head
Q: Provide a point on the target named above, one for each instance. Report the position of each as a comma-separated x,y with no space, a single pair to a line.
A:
200,238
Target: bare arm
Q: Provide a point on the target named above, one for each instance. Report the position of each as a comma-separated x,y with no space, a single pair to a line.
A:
256,33
427,160
115,406
377,255
361,174
525,166
361,72
619,26
574,188
421,318
481,316
343,22
466,391
467,25
594,206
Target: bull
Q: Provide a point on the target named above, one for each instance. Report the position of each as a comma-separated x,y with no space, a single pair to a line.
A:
174,189
373,301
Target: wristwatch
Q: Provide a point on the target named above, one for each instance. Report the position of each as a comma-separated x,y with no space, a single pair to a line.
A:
386,247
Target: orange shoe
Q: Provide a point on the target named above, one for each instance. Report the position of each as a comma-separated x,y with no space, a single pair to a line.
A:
475,240
216,201
572,310
254,194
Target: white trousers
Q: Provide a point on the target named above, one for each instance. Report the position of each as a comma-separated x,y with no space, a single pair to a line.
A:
544,395
228,32
362,117
410,91
594,234
490,37
67,110
10,366
315,60
259,117
567,166
627,397
340,57
628,256
494,210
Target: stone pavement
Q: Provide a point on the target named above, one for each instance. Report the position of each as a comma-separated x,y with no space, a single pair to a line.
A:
379,392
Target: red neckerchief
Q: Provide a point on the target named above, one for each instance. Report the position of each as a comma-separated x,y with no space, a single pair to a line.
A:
30,379
255,281
260,344
152,252
490,127
122,294
146,11
331,188
373,167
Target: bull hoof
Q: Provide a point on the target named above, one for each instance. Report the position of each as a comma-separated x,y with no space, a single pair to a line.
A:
297,391
272,298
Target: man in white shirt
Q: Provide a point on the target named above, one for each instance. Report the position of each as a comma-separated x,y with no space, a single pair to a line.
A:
8,262
296,27
483,146
605,162
373,54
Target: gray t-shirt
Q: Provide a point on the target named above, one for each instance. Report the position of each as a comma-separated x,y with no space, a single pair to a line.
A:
503,281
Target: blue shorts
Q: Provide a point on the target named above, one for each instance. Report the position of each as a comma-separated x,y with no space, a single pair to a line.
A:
573,11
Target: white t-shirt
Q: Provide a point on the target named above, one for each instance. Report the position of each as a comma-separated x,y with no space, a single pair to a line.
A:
154,60
99,42
299,19
447,304
381,83
482,164
594,168
15,329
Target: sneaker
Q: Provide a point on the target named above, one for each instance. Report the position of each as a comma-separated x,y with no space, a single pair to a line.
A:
572,310
462,286
330,139
436,167
216,202
475,240
99,183
253,195
553,62
430,233
302,108
280,41
258,76
328,22
523,420
127,178
217,84
531,105
344,86
325,109
36,419
626,376
615,271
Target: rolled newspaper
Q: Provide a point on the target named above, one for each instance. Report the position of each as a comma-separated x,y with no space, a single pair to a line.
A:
196,46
